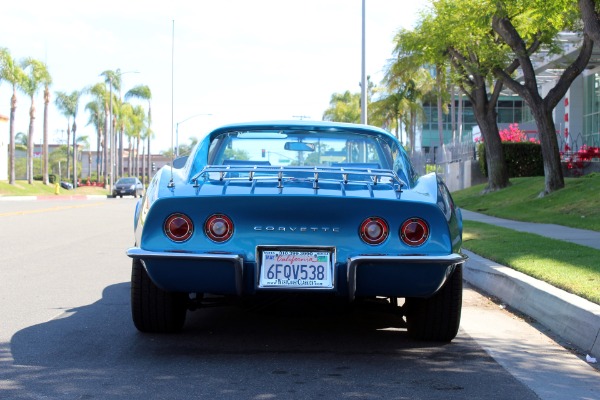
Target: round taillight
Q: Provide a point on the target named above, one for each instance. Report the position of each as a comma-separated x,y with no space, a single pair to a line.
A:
373,230
218,228
179,227
414,232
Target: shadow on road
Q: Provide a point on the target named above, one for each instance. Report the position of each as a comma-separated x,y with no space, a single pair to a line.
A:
272,349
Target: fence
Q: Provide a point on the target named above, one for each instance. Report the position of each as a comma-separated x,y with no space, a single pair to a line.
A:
456,163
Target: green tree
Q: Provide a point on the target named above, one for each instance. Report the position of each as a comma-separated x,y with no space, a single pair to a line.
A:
143,92
405,84
46,81
100,95
520,25
21,142
68,105
11,72
113,80
57,160
457,34
135,125
36,74
343,107
95,112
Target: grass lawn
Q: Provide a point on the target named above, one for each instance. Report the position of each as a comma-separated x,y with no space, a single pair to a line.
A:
570,267
22,188
573,268
577,205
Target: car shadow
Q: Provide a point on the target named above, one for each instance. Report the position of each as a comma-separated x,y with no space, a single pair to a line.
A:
272,323
277,342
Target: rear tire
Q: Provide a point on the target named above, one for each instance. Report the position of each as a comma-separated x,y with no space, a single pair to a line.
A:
438,317
153,309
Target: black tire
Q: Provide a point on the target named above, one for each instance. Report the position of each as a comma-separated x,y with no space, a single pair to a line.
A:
438,317
153,309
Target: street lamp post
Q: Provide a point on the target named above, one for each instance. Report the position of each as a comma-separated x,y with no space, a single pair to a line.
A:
364,83
177,132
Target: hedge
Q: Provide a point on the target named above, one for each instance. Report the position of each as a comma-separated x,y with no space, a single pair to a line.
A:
522,159
51,178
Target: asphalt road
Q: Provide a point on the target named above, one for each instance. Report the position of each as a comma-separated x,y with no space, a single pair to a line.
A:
66,333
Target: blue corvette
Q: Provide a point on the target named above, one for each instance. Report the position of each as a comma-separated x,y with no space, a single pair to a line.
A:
302,207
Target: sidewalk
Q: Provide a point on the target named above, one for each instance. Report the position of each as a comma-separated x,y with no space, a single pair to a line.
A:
578,236
574,319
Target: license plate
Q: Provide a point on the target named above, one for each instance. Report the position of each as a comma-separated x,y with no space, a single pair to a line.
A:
296,269
123,191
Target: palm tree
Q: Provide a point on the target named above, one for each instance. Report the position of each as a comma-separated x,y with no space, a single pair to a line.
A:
47,81
36,74
101,96
143,92
135,127
113,80
64,104
96,119
119,121
344,107
11,72
83,142
127,127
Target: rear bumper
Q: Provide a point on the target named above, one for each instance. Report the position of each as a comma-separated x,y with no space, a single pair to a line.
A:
399,276
189,272
391,276
124,192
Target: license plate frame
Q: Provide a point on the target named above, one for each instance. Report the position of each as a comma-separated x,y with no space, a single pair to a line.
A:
296,268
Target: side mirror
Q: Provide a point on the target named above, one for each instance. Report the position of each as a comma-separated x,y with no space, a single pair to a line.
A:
179,162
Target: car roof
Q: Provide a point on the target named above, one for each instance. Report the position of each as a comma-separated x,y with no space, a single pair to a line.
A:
301,125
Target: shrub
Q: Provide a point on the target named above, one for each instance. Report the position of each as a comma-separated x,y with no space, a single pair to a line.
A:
51,178
522,159
523,156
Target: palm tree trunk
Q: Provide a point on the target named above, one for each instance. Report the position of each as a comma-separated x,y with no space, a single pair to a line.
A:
74,154
143,174
45,155
11,146
105,144
148,164
137,158
130,158
68,149
30,144
98,140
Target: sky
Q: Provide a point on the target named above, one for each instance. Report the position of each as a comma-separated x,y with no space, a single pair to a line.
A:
236,60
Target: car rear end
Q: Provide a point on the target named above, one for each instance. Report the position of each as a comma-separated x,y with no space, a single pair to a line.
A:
363,243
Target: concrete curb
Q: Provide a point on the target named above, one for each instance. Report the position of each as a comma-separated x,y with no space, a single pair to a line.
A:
572,318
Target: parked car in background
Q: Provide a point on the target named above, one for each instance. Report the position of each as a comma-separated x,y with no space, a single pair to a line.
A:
305,208
128,187
66,185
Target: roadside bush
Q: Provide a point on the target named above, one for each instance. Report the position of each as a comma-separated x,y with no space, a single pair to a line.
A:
522,159
51,178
